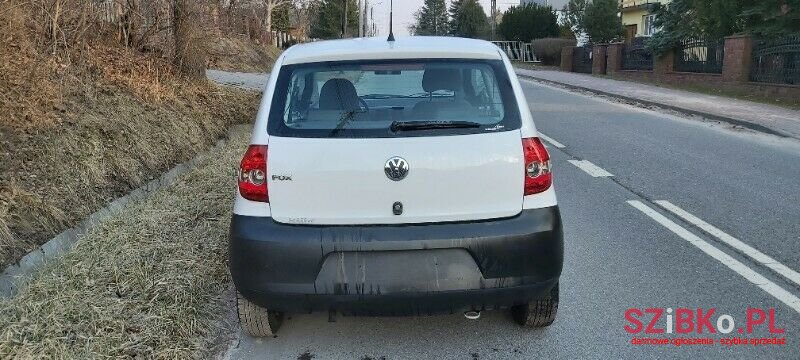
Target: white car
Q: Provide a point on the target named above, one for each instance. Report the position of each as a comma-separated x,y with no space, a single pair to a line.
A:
395,178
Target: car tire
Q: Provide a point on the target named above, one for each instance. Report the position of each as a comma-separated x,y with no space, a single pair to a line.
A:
257,321
539,312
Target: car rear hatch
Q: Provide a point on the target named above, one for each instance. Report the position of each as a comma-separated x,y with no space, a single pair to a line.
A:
453,124
343,181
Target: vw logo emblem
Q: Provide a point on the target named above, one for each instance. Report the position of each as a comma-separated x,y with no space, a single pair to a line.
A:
396,168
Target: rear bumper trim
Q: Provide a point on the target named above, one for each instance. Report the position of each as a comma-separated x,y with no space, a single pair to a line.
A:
384,268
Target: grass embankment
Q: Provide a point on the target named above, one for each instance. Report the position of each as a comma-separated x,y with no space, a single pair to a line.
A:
88,120
242,55
146,283
86,117
55,176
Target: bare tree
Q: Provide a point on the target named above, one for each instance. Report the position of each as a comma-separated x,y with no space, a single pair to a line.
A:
189,56
302,11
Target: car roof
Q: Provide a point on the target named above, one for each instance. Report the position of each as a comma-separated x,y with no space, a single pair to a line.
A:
412,47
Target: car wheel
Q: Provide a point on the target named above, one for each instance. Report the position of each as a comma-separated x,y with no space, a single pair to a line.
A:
539,312
257,321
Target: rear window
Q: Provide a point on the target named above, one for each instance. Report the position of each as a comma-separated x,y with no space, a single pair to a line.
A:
393,99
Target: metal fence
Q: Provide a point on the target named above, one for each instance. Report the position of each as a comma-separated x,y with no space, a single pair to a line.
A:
636,56
700,55
527,53
777,61
582,59
517,50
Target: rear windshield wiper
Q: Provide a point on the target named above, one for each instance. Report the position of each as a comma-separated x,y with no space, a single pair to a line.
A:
426,125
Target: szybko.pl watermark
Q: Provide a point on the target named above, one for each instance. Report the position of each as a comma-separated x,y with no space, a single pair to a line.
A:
685,326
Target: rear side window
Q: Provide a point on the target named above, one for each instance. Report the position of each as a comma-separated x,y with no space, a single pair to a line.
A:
393,99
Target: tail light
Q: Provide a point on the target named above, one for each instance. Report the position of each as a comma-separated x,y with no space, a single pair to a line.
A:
253,174
537,166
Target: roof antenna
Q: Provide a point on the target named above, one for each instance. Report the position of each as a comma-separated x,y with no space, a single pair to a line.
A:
391,15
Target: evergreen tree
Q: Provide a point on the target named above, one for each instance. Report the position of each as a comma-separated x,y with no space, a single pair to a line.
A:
675,22
720,18
770,18
431,19
453,11
574,12
601,22
528,22
715,19
470,20
329,17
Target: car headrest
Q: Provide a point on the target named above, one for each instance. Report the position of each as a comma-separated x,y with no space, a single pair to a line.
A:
441,79
338,94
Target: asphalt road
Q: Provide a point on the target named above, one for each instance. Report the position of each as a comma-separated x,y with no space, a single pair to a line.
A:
247,81
624,249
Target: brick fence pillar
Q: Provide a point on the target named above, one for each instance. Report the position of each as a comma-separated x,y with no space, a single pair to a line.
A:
738,58
664,64
567,53
614,61
599,59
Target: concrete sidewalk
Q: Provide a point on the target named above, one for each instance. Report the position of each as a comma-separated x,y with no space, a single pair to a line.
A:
760,117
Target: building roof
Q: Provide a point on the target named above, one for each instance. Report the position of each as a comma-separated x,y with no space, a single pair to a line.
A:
403,48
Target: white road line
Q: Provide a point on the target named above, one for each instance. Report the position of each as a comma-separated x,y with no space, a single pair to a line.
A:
756,255
735,265
551,140
590,168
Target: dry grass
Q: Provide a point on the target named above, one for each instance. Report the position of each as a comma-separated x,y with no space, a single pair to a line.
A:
28,88
241,54
548,50
28,212
146,283
53,177
86,119
149,78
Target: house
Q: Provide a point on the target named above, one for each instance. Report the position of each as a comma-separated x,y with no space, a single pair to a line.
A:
638,17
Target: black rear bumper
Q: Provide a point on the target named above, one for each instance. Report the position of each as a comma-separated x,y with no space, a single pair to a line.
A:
397,269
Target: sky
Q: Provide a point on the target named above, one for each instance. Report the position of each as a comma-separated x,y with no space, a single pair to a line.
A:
404,13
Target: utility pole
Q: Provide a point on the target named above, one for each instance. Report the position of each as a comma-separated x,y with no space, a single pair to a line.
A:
373,31
344,20
436,20
494,19
360,18
365,25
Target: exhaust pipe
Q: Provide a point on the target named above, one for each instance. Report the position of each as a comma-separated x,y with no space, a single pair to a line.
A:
472,314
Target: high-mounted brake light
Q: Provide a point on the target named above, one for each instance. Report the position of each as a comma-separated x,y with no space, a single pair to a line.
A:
537,166
253,174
